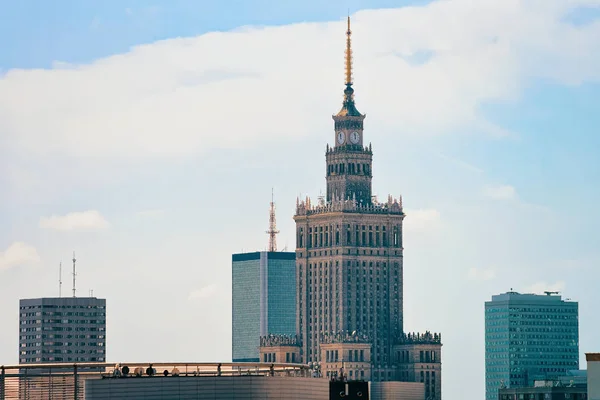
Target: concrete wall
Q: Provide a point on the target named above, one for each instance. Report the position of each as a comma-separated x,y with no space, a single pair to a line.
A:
396,391
197,388
75,328
593,376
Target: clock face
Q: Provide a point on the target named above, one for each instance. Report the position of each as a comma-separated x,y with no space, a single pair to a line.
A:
354,137
341,137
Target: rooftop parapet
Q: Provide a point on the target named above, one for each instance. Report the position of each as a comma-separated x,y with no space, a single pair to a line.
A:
420,338
349,147
279,340
392,206
343,337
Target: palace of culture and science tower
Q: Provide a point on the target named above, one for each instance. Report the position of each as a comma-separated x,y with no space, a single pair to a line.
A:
349,273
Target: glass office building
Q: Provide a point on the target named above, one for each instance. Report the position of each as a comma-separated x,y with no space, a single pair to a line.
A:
529,337
263,300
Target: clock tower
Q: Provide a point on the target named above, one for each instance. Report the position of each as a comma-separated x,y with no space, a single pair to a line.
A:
349,162
349,273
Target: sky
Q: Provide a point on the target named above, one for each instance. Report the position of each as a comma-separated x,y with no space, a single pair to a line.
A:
146,137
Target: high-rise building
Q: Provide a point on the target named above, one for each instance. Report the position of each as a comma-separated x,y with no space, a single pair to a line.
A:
349,248
349,271
263,300
528,337
62,329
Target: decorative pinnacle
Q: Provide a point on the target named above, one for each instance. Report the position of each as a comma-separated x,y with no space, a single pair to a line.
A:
348,55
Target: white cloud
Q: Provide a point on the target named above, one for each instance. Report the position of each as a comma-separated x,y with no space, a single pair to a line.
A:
460,163
150,213
204,292
421,220
500,192
95,24
423,73
481,274
76,221
541,287
183,97
18,254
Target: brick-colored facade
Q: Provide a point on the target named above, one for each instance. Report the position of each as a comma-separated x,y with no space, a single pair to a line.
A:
419,359
349,274
345,355
279,349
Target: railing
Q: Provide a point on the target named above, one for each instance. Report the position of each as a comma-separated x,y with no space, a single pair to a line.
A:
67,381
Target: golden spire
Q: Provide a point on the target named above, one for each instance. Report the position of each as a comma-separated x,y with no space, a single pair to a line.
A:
348,55
348,107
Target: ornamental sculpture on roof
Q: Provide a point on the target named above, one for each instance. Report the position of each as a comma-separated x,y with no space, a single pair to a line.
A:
279,340
392,206
343,337
420,338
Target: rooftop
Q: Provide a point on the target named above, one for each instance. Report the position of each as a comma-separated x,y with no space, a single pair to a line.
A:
62,301
548,297
592,356
58,380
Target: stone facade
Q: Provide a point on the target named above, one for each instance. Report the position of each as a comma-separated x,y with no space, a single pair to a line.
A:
345,355
279,349
419,359
349,274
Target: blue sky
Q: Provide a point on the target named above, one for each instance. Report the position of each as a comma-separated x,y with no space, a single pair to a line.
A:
137,136
74,31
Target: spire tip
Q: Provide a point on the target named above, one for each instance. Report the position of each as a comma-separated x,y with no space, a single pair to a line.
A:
348,54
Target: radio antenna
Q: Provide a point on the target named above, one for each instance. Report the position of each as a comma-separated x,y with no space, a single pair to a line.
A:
60,279
74,274
272,226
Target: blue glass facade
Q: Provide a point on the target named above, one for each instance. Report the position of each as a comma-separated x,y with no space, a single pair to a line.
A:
528,337
245,296
263,300
281,312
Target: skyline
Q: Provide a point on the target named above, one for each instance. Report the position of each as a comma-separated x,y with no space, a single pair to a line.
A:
486,128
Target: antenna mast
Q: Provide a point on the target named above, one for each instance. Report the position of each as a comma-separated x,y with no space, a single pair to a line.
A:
272,226
74,274
60,279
